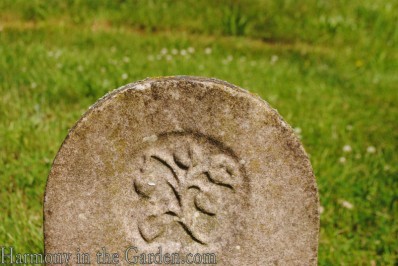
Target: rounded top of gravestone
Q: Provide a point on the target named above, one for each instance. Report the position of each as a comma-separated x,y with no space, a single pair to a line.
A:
183,165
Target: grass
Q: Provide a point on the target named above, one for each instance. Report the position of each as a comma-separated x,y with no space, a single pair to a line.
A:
330,68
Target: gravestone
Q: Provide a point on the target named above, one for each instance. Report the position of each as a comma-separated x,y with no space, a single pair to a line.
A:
182,165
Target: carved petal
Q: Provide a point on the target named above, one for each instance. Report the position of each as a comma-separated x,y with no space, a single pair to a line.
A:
205,203
143,188
151,228
182,159
196,155
223,171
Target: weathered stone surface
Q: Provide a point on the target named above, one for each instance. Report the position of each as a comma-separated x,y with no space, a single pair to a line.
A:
190,164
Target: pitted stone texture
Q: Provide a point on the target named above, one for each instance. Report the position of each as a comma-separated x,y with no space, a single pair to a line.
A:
193,165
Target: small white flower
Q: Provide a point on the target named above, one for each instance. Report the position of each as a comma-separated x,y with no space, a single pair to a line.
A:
174,51
347,204
164,51
58,53
208,50
126,59
33,85
371,149
342,160
347,148
297,130
273,98
169,57
274,59
191,50
183,52
125,76
106,83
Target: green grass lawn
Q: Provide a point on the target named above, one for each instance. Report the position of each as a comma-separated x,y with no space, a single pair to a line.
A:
329,67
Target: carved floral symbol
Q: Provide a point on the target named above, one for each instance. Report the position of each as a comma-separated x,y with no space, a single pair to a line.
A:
180,186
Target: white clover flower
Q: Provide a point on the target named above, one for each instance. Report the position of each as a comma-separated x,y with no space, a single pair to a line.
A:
297,130
371,149
164,51
342,160
125,76
208,50
126,59
274,59
347,148
169,57
183,52
57,54
33,85
346,204
191,50
174,51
